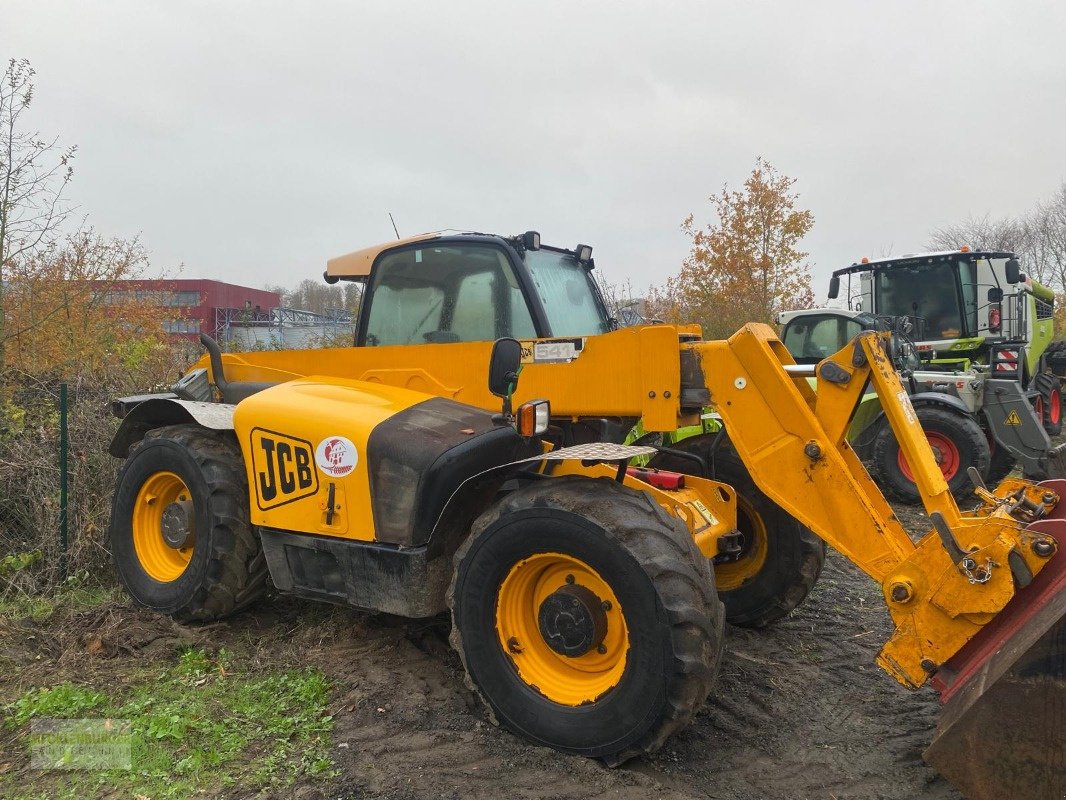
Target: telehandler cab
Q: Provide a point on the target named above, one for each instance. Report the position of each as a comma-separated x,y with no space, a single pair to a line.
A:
464,456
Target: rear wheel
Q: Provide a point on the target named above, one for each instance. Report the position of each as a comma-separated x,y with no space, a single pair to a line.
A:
957,441
586,618
780,559
1049,402
180,534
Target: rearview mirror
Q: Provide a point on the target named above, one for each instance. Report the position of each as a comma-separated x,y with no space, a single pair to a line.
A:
504,363
834,287
1014,271
995,295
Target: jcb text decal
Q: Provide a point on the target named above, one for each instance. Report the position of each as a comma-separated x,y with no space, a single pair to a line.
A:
284,468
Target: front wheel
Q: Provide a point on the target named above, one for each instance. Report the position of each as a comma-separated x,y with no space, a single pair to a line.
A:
586,618
957,442
780,559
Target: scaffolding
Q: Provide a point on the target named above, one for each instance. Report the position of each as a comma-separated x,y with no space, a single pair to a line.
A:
282,328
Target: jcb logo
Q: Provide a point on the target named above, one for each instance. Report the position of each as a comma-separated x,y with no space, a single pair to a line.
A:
284,468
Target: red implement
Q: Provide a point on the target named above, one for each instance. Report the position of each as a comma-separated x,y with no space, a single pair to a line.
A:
1002,728
659,478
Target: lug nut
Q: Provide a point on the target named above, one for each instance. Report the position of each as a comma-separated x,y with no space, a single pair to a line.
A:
1043,548
601,649
606,605
569,578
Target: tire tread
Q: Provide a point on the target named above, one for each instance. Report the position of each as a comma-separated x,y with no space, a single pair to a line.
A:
669,557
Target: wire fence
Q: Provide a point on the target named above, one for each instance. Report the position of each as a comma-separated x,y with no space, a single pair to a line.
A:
56,480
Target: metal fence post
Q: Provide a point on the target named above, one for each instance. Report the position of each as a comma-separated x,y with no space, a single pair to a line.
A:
63,448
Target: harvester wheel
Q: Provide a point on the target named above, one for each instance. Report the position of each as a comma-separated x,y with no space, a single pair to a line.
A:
1050,388
957,441
586,618
999,466
180,533
780,560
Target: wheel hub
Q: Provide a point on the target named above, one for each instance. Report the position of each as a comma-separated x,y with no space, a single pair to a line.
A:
177,524
572,620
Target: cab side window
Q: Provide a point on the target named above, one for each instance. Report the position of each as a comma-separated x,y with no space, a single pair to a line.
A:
446,293
810,339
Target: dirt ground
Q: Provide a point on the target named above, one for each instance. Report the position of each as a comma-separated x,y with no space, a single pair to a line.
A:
800,709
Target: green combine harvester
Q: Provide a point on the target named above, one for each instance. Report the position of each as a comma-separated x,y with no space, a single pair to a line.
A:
984,373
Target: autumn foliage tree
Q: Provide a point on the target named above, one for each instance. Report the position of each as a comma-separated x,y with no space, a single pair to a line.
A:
64,319
747,264
67,318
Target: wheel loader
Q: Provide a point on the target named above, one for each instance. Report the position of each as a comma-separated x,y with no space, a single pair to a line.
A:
464,456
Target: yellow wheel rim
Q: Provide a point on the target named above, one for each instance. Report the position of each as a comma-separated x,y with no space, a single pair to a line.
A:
161,561
568,680
731,575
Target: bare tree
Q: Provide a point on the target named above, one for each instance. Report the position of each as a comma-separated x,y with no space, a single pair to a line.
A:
1038,237
1032,236
981,233
34,173
1046,234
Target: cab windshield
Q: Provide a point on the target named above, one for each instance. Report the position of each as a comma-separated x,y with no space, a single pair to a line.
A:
929,294
567,293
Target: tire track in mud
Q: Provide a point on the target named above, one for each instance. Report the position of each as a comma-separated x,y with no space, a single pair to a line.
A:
800,710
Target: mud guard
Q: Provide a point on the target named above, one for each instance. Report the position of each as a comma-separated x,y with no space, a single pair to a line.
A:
455,517
142,414
1004,694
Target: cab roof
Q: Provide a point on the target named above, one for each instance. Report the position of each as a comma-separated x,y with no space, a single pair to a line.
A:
357,264
914,259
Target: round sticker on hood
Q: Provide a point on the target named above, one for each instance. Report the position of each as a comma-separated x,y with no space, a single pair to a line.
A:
336,456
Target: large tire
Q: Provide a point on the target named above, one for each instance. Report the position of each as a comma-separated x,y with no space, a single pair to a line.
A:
957,441
661,632
781,559
1050,388
221,569
999,467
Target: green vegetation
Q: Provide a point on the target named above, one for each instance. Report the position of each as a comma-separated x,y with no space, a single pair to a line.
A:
77,593
199,722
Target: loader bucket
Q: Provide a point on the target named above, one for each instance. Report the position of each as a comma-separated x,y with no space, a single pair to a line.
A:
1002,726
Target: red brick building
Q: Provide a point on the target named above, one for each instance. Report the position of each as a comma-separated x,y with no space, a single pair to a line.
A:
198,304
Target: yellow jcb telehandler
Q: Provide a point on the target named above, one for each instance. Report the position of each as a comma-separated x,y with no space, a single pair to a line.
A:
465,454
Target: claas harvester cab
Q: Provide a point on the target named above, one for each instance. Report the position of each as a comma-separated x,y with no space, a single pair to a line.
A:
968,308
465,457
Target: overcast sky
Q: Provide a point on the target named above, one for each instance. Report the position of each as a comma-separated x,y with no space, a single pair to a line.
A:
252,141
